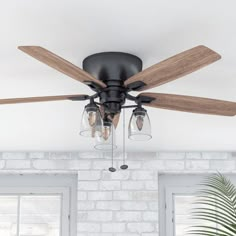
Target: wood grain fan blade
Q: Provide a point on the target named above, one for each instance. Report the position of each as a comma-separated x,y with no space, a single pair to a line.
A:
175,67
39,99
60,64
191,104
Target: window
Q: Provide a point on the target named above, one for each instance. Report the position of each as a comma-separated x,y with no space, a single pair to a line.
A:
176,193
37,205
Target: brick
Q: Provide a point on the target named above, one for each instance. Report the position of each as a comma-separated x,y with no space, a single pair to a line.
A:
150,216
144,175
100,196
60,155
99,215
18,164
79,165
98,234
154,165
113,227
194,155
85,205
153,206
151,185
216,155
140,227
109,185
108,205
175,165
128,216
89,175
88,227
37,155
118,175
81,196
82,216
61,164
145,195
14,155
134,205
2,164
101,164
171,155
226,165
123,195
141,156
197,165
88,185
132,185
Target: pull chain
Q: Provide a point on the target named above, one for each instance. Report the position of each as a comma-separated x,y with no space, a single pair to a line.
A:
124,166
112,168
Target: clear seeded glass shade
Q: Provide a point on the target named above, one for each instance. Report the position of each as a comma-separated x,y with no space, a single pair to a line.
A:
91,123
106,141
139,126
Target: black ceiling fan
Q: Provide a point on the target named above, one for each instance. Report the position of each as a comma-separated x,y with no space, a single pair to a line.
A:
112,75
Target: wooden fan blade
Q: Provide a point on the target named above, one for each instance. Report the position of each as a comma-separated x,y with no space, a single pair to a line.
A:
41,99
115,119
191,104
175,67
60,64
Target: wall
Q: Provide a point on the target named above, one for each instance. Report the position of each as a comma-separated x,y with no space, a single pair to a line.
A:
121,203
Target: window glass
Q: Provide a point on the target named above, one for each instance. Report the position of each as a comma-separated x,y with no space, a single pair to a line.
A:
40,215
8,215
30,215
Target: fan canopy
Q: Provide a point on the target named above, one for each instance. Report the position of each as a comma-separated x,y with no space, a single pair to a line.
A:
112,66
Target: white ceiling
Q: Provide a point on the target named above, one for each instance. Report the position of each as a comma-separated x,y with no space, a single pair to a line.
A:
152,29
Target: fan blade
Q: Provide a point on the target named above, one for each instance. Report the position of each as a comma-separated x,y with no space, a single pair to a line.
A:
191,104
175,67
60,64
115,119
42,99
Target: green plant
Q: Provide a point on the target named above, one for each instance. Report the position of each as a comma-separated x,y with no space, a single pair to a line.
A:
216,207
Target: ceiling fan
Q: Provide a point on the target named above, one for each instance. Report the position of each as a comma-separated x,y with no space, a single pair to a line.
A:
112,75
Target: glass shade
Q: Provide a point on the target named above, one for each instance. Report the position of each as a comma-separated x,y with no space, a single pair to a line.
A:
106,140
139,125
91,123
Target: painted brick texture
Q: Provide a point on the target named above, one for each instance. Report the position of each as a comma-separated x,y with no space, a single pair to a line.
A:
124,203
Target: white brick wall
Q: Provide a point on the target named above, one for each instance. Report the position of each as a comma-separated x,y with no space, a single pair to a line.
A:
124,203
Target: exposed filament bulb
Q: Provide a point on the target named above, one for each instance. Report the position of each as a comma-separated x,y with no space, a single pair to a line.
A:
92,118
139,121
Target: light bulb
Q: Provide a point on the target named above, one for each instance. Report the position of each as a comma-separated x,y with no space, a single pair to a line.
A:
92,115
106,132
139,121
91,123
139,125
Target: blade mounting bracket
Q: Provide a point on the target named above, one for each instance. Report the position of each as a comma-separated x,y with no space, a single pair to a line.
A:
144,99
95,87
79,98
135,86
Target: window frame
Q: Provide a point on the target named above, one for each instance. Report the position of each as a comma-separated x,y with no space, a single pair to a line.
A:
33,184
169,186
177,184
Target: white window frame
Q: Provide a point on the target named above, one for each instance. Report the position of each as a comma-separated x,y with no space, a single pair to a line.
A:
171,185
63,185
